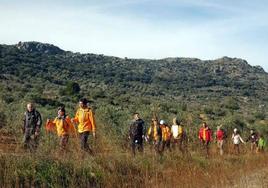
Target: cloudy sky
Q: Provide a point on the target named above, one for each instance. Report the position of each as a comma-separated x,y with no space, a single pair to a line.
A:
205,29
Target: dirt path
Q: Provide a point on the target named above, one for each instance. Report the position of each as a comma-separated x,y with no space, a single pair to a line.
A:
8,144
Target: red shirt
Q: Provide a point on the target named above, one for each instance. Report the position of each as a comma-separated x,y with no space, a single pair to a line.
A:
220,135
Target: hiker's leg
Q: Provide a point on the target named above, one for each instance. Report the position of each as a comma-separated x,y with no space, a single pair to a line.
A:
63,141
163,146
207,148
157,146
36,141
83,140
140,144
133,147
180,143
220,146
27,138
168,145
26,141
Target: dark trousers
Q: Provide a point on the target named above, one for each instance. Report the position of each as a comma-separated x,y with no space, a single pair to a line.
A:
205,145
30,141
64,141
136,142
165,144
84,141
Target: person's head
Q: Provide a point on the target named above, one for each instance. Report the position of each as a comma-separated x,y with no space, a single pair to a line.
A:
176,121
30,107
204,125
219,127
83,102
162,122
251,131
61,111
235,130
136,116
154,121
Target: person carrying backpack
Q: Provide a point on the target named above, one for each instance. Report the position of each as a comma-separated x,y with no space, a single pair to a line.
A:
177,134
166,136
85,119
63,125
154,134
220,138
205,136
31,128
253,139
136,133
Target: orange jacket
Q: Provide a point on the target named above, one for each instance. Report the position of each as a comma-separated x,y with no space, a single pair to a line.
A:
63,126
85,119
166,132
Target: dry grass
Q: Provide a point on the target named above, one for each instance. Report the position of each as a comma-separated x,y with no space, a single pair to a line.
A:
113,166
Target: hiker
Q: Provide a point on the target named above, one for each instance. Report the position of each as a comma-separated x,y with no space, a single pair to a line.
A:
32,122
177,134
136,133
261,143
154,134
253,139
85,119
205,136
166,136
220,137
63,125
237,140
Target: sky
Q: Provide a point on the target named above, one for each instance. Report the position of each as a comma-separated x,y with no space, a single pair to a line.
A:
153,29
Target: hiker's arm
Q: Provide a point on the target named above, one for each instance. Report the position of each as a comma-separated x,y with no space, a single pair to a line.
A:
242,140
24,123
76,118
144,129
93,122
39,120
129,131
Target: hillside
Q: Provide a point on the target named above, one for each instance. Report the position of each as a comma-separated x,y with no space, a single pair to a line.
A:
225,91
35,65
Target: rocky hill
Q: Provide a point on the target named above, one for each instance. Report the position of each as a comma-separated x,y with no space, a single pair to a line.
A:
30,66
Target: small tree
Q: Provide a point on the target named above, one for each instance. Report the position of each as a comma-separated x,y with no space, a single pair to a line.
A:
72,88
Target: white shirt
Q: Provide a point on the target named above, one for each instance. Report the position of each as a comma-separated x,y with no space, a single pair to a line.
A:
175,131
237,139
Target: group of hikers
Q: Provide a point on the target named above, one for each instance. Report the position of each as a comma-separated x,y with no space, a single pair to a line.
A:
160,135
63,125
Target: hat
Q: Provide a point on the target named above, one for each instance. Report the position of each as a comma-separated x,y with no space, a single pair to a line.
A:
162,122
235,129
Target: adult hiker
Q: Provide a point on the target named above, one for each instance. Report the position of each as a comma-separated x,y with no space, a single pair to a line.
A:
136,133
205,136
177,134
32,122
237,140
261,143
166,136
253,139
220,138
154,134
85,119
63,125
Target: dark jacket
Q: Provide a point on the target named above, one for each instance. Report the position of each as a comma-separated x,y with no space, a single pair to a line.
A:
32,120
253,138
136,129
